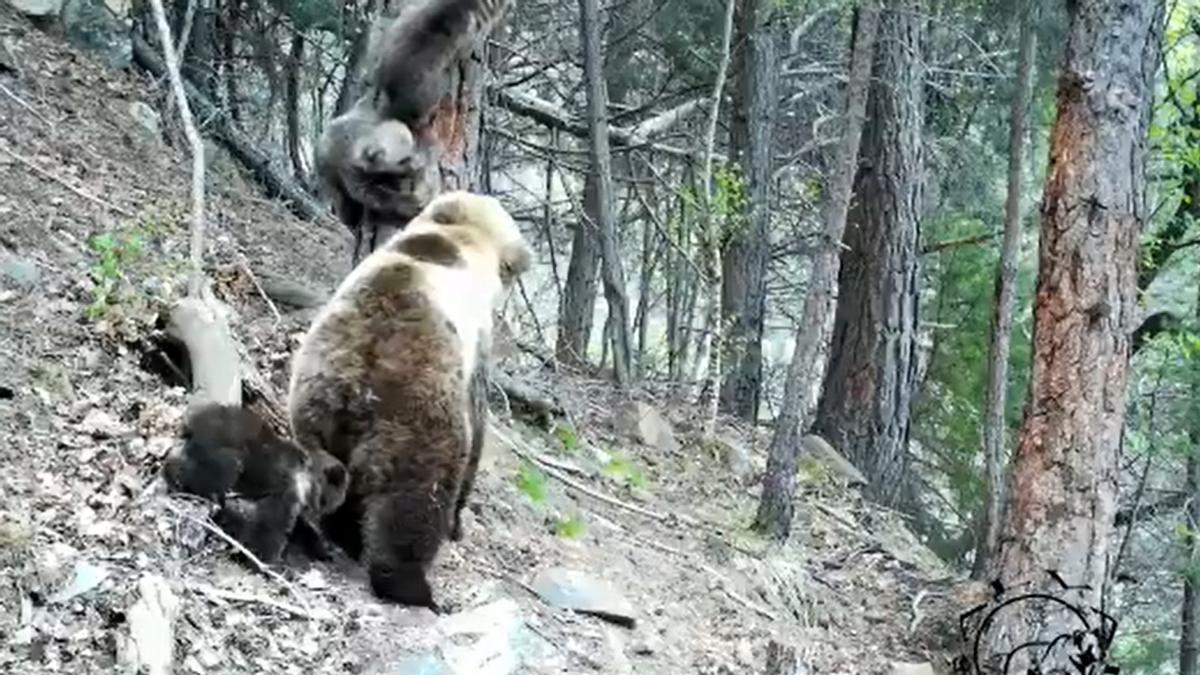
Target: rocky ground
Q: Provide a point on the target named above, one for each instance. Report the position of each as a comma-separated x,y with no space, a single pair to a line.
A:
96,562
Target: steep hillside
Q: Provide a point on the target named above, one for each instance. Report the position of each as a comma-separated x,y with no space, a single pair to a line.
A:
93,235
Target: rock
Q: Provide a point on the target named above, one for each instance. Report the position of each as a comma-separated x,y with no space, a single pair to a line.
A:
149,123
37,7
91,25
99,424
582,593
489,640
642,423
150,645
820,449
85,578
19,272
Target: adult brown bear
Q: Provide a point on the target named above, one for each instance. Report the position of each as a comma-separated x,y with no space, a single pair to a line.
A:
383,378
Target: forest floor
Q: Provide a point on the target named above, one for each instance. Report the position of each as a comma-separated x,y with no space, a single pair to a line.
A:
93,204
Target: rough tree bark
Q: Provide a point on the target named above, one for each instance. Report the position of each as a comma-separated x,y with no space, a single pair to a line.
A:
292,103
865,404
774,516
996,393
1064,478
744,261
713,230
577,308
600,170
1189,623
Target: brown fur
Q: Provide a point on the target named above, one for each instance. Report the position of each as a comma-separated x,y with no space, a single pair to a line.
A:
379,383
372,168
268,487
420,48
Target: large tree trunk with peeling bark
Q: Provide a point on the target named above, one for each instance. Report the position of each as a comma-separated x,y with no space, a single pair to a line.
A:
774,516
744,260
866,399
1064,481
994,428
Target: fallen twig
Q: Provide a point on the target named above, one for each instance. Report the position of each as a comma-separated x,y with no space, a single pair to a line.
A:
257,286
737,597
21,102
237,545
558,475
235,596
28,164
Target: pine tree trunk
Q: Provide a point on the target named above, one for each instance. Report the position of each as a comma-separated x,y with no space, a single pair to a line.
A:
995,463
866,398
806,368
744,261
600,171
576,311
292,83
1064,477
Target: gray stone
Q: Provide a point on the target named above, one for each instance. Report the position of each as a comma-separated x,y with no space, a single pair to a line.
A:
148,120
91,25
571,589
642,423
833,460
492,639
19,272
85,578
37,7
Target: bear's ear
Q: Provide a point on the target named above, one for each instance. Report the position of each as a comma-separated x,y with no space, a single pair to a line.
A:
515,260
447,212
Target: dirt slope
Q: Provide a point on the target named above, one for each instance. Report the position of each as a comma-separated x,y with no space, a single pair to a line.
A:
92,243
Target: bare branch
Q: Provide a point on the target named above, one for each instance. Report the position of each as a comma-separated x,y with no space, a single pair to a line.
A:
196,279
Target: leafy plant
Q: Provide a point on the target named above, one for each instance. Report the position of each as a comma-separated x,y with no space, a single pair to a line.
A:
567,438
113,253
623,470
570,527
532,482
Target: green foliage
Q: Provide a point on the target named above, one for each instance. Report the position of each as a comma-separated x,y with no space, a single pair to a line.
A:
113,252
624,470
532,482
570,527
568,440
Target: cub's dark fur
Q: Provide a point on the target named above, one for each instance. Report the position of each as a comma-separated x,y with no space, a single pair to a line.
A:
268,487
389,380
420,48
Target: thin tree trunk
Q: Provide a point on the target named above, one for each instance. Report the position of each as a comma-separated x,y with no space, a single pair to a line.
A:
806,369
744,262
292,83
576,311
1189,624
995,461
612,270
1064,478
866,398
712,240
